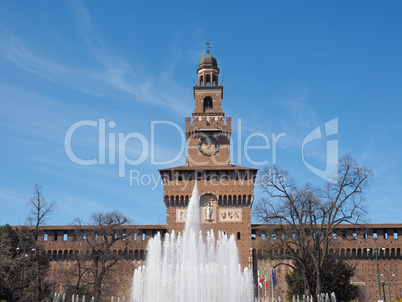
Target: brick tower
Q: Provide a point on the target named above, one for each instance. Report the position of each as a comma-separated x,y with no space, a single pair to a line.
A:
226,191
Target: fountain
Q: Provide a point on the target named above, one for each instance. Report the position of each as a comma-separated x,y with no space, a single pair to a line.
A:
184,268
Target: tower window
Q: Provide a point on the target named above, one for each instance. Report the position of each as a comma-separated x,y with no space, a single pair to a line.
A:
207,103
215,80
208,80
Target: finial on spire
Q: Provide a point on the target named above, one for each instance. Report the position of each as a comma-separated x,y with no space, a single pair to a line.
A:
208,48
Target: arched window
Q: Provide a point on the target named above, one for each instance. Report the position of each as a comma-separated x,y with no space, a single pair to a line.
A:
208,80
215,80
207,103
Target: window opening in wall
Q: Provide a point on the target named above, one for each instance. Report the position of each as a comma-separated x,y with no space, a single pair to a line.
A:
344,235
225,176
283,236
385,234
263,236
207,103
355,236
65,236
253,236
238,235
45,237
334,236
365,236
124,236
135,236
294,236
208,80
55,236
84,237
198,175
273,237
143,236
395,234
375,235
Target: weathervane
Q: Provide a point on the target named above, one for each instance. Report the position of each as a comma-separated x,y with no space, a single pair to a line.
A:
208,48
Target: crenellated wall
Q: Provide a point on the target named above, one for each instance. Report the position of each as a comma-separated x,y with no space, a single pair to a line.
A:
357,247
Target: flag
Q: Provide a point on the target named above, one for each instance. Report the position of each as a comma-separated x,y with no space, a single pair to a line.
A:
273,278
259,279
265,279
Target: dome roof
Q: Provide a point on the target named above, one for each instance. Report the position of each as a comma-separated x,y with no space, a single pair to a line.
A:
208,60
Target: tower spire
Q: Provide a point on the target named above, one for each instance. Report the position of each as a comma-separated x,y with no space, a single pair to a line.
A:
208,48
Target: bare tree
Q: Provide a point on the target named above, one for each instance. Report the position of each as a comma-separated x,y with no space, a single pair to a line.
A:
100,237
304,219
12,261
40,210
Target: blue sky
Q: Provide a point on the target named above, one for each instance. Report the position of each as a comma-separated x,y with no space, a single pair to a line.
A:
287,67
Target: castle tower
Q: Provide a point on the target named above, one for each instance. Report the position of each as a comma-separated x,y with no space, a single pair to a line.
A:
226,190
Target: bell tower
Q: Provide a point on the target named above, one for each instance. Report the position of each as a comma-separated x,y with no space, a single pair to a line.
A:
208,138
226,190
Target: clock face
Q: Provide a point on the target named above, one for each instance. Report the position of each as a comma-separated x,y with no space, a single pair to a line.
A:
208,145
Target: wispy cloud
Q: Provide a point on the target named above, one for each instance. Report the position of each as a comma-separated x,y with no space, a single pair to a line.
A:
121,74
108,75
